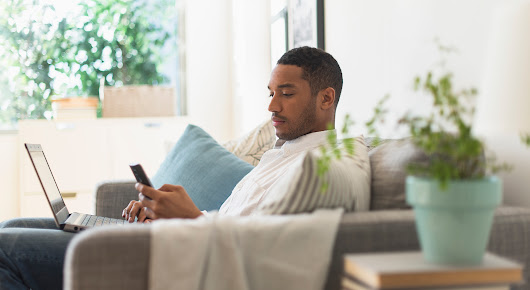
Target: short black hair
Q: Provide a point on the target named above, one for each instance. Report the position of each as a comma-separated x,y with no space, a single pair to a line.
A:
319,68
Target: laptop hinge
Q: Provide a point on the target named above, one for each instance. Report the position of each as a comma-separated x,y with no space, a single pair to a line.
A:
75,218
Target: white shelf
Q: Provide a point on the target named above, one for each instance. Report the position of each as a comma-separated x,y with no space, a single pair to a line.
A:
82,153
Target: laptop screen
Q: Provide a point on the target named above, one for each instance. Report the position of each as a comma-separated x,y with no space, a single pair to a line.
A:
48,182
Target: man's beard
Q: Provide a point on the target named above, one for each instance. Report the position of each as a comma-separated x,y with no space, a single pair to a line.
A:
303,125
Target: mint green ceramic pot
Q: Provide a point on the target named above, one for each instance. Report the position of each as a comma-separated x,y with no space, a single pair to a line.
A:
454,224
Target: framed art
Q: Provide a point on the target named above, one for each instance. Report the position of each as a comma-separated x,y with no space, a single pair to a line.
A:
296,23
307,23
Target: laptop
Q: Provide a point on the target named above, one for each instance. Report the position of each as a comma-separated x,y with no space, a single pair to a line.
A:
70,222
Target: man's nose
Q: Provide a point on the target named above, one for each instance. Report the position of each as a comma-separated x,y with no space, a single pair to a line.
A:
274,105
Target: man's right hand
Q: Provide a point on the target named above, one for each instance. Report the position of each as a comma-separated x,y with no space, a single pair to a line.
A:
135,209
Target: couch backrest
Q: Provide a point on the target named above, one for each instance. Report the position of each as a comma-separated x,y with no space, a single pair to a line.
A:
388,161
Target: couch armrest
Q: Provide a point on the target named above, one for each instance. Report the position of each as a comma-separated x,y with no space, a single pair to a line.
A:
124,252
113,196
111,257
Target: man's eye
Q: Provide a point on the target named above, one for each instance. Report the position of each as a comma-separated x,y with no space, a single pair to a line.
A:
283,94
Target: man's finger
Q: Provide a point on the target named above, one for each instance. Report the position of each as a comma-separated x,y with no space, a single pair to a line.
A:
168,187
127,209
148,191
149,213
141,215
134,211
146,201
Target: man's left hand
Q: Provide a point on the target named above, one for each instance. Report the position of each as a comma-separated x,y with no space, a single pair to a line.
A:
169,201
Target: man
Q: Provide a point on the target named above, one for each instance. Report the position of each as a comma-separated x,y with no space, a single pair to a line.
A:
304,89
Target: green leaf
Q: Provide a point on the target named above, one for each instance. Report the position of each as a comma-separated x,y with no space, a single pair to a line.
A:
324,187
349,145
525,138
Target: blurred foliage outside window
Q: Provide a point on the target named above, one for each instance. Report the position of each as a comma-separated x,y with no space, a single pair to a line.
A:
52,48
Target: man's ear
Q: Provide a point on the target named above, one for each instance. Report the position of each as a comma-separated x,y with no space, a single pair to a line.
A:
327,98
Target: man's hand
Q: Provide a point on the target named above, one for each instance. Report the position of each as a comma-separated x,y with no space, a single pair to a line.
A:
169,201
135,209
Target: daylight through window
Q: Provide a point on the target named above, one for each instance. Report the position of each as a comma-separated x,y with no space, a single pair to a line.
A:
56,48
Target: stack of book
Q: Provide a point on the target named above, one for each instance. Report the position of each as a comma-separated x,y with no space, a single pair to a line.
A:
408,270
75,108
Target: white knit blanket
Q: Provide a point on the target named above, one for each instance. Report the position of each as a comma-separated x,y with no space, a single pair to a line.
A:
236,253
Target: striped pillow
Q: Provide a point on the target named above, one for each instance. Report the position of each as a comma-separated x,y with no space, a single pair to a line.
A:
299,190
252,145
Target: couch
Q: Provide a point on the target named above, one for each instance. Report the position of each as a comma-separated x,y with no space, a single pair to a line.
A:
119,259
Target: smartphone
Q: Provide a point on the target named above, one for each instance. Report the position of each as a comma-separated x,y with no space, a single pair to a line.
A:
140,175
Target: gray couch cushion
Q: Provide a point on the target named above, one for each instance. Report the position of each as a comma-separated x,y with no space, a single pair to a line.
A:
388,162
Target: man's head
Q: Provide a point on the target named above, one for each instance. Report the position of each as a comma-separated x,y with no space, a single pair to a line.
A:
305,87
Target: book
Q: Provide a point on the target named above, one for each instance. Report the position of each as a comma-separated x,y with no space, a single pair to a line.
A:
349,283
410,270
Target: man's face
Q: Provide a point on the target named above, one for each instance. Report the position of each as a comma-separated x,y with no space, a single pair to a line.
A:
292,106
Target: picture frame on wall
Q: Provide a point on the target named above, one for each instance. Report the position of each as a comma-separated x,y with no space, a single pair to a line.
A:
296,23
306,23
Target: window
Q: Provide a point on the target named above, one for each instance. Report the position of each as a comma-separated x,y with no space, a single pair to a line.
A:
56,48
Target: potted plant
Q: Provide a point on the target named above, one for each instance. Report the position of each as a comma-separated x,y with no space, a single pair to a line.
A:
452,193
455,192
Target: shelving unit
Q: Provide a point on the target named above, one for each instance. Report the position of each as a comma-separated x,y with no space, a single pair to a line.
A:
82,153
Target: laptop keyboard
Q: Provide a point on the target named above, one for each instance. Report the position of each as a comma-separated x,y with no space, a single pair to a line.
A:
96,221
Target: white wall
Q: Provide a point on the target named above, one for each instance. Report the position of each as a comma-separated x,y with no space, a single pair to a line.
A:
251,27
209,65
382,44
9,174
228,65
504,104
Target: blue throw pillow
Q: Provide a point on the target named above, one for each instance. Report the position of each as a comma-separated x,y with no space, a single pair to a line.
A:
204,168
